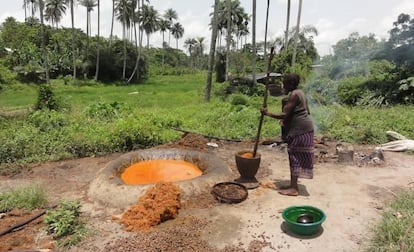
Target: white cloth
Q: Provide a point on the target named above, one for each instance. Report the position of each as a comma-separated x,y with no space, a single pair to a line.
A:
398,145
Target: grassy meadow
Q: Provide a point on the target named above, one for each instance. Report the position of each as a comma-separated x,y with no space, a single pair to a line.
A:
95,119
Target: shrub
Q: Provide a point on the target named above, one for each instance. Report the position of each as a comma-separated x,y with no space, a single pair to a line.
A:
46,99
238,99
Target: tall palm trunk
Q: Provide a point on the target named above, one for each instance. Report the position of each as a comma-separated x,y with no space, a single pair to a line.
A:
295,42
254,42
112,23
137,48
212,52
287,26
88,31
228,38
98,45
125,40
72,16
25,10
45,56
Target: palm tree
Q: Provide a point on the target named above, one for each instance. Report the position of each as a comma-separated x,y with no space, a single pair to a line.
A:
228,37
254,42
72,17
54,11
114,3
98,45
170,15
138,40
25,4
124,11
200,50
177,31
34,5
163,25
45,56
190,44
231,17
89,5
287,26
214,25
148,20
295,41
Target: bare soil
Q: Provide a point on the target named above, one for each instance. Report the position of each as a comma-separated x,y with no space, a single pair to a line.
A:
353,195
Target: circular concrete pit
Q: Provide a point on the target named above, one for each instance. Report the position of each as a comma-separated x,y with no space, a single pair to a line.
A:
109,190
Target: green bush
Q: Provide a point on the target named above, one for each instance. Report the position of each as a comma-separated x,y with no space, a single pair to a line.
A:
48,120
46,99
239,99
64,223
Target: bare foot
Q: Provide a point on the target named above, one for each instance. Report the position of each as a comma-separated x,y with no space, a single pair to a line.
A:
289,192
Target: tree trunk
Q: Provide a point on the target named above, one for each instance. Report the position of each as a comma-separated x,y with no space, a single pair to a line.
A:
72,15
295,42
45,56
228,38
137,48
287,26
212,52
112,23
254,42
98,45
125,41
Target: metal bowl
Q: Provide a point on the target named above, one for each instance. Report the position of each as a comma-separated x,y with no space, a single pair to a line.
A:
303,220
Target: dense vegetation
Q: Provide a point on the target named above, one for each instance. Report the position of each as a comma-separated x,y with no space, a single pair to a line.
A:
96,119
48,112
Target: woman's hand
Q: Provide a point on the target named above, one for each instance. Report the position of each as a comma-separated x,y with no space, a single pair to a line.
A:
263,111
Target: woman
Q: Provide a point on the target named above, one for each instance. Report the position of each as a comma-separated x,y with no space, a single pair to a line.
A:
298,133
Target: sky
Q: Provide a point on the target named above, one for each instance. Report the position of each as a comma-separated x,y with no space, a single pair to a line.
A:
334,19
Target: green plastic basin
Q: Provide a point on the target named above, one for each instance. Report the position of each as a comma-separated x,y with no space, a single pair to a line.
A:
291,214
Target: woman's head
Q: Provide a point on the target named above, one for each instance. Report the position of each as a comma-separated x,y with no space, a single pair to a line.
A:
291,82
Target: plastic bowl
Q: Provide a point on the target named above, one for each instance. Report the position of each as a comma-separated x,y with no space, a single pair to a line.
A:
291,214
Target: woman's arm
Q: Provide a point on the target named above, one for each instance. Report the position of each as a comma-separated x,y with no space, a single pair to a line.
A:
287,109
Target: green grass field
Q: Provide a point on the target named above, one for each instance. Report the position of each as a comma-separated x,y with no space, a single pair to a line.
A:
98,119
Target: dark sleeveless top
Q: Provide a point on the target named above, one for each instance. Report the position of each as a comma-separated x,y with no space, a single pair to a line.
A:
299,120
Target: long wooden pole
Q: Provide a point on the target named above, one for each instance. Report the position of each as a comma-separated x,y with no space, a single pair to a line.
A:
269,64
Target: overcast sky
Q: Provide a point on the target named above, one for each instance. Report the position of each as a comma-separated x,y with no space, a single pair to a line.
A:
334,19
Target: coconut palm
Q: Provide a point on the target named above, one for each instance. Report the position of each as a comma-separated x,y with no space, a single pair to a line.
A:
199,49
112,22
287,26
177,30
190,44
163,25
98,45
42,27
71,4
124,11
25,6
214,25
171,16
34,5
89,5
148,19
254,42
54,11
138,40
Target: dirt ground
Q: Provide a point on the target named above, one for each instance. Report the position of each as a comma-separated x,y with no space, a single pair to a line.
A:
353,195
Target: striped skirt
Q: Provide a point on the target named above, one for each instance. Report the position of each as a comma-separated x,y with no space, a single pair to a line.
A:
301,155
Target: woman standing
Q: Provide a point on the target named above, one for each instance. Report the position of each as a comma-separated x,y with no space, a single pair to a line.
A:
298,133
